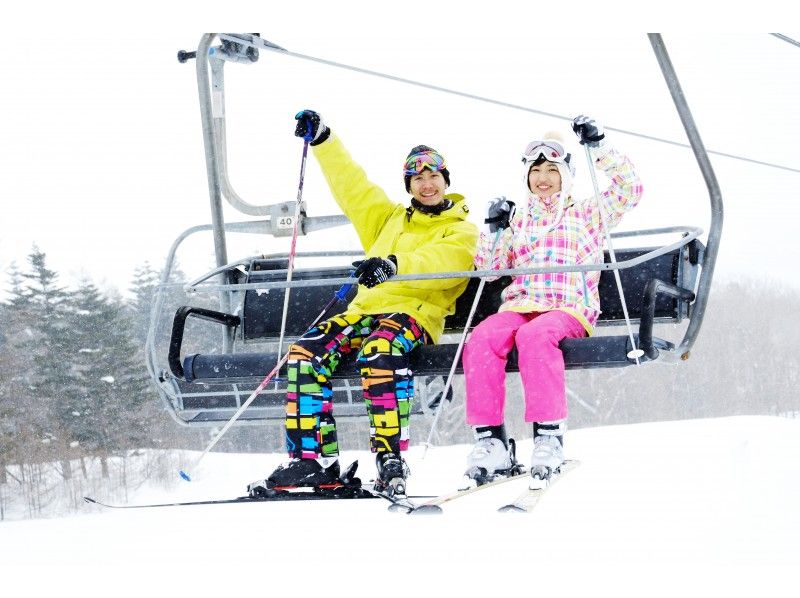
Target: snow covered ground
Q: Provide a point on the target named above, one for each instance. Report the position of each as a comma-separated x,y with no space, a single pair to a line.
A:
690,508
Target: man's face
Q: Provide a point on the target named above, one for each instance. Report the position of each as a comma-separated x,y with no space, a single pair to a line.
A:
428,187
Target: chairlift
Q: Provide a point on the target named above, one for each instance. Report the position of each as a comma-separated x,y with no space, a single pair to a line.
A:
667,284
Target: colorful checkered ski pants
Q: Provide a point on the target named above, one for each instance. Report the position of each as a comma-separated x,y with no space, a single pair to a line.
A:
383,343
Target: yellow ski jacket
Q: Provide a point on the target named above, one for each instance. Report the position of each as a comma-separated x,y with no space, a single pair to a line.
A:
422,243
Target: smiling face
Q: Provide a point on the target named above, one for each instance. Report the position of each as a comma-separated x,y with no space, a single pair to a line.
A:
544,179
428,187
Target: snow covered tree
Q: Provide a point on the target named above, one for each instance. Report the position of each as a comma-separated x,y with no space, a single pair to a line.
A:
47,347
113,404
143,287
12,315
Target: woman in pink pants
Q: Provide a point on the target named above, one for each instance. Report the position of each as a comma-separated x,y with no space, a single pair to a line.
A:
550,228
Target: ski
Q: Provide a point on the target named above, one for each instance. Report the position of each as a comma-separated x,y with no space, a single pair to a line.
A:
400,503
434,506
347,487
284,495
527,500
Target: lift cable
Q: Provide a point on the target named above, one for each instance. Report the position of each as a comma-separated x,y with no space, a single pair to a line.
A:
786,39
265,45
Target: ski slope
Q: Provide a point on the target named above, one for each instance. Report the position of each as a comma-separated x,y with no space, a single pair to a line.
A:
700,507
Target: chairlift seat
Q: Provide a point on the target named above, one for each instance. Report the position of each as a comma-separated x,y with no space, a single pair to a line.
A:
656,291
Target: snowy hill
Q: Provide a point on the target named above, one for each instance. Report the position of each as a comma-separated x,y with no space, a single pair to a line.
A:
654,509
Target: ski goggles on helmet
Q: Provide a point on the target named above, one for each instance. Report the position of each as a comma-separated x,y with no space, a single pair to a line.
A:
430,159
550,150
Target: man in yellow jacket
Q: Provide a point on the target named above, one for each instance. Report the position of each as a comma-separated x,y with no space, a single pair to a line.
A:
386,320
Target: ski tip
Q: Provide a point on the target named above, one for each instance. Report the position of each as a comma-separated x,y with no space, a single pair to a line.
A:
400,508
511,509
427,510
184,476
90,500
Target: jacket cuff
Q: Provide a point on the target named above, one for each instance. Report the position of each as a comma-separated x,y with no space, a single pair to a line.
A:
323,136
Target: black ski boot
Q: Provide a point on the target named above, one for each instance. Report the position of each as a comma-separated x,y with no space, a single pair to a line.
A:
392,474
298,473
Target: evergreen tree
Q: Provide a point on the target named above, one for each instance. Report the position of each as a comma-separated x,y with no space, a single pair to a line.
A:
47,345
8,411
143,287
21,425
114,402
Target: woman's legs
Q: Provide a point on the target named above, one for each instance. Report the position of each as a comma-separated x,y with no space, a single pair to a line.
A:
541,364
485,357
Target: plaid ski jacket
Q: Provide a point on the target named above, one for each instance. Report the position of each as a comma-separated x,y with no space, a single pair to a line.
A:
538,238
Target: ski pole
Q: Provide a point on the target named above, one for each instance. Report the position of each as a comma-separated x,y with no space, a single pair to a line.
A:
293,246
635,353
460,347
338,296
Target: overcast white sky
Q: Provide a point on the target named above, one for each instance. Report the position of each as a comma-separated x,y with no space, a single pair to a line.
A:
102,148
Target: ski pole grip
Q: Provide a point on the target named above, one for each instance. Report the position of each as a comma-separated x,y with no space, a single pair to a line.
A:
309,136
345,288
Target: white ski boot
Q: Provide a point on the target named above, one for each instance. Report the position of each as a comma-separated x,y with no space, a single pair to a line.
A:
548,455
489,454
548,451
489,460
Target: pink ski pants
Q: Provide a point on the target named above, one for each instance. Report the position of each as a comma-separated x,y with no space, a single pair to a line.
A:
541,365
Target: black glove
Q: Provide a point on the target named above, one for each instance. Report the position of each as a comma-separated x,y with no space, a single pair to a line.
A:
589,131
310,127
375,270
499,213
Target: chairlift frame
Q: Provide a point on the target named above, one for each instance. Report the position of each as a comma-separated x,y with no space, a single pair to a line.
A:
200,402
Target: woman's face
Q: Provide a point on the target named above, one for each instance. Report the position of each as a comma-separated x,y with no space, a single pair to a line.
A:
428,187
544,179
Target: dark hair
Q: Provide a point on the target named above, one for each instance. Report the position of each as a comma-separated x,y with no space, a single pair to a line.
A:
539,161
